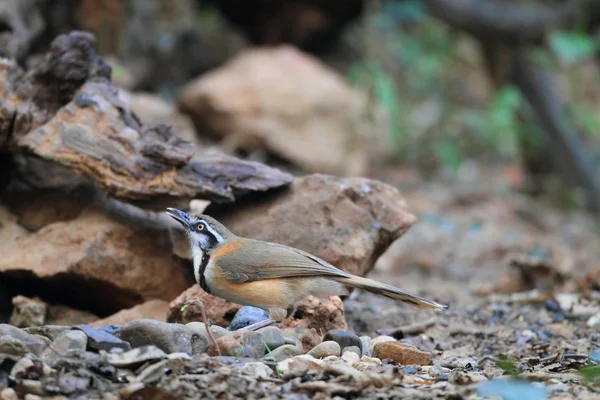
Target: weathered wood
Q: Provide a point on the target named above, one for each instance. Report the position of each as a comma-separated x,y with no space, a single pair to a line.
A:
66,111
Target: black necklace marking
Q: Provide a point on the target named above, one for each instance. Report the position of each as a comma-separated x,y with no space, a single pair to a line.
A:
203,264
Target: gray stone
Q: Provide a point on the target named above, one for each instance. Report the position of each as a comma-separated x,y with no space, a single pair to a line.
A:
67,344
325,349
136,356
99,339
170,338
257,370
343,338
365,345
35,344
252,345
281,353
273,337
245,316
200,329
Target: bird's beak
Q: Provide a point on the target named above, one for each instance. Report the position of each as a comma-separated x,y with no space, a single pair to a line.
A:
181,217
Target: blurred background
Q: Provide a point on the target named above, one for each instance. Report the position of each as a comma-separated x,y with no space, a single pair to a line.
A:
483,114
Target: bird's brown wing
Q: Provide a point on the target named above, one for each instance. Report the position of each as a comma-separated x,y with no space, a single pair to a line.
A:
255,260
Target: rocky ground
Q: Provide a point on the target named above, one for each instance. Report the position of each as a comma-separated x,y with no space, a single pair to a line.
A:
96,295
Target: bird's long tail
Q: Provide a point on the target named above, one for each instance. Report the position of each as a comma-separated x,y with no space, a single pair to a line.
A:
389,291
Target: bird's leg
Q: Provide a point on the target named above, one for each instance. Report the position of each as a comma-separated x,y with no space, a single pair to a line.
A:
258,325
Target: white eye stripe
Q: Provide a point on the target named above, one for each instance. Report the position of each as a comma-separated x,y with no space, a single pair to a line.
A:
214,233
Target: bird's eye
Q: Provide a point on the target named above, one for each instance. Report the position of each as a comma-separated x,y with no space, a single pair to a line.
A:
200,227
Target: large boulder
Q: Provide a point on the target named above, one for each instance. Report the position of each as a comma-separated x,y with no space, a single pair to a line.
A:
95,263
287,102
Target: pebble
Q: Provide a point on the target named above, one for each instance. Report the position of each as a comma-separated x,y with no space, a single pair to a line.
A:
373,360
12,346
8,394
48,331
283,352
331,358
365,345
409,370
300,364
136,356
67,344
351,357
353,349
36,344
99,339
240,344
595,356
257,370
343,338
379,339
245,316
401,353
272,336
306,338
200,328
325,349
170,338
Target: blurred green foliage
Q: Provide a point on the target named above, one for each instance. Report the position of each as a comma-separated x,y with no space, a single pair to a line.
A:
418,71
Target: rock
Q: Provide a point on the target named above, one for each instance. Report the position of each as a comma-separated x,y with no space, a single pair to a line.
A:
136,356
200,328
320,314
365,345
281,353
10,231
65,315
314,120
68,344
560,329
247,315
380,339
272,336
8,394
99,339
101,263
239,344
401,353
67,105
187,307
306,338
12,346
35,344
346,222
50,332
28,312
299,365
343,338
257,370
352,349
153,309
351,357
170,338
595,356
152,109
326,349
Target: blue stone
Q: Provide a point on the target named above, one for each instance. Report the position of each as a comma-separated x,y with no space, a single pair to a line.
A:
245,316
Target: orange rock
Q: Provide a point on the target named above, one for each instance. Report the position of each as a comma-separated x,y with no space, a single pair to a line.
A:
320,314
401,353
219,310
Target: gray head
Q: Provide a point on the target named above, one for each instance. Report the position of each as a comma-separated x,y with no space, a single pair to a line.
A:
205,233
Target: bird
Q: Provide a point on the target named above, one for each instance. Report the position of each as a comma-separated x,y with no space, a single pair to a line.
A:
268,275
